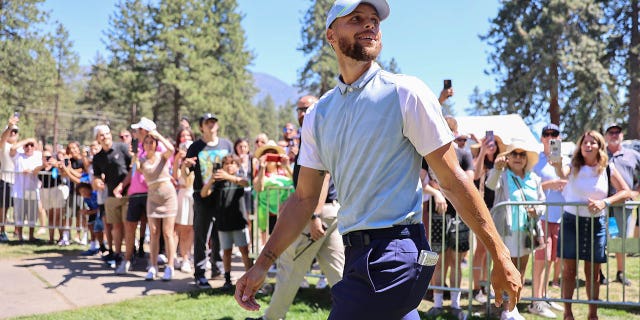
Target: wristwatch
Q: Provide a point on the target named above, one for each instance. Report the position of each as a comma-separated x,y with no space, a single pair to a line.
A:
315,216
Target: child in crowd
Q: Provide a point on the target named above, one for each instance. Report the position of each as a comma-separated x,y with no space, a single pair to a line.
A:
227,188
95,224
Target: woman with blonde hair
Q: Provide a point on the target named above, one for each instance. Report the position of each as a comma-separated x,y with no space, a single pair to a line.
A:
512,180
589,179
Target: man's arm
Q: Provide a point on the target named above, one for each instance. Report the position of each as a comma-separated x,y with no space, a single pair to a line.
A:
293,217
315,227
459,189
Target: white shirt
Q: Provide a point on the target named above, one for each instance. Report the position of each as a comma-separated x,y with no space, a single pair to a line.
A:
26,184
587,184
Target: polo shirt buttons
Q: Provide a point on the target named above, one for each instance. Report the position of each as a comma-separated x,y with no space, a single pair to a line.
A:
350,89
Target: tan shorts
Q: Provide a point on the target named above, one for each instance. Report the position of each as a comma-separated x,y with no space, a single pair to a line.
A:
116,209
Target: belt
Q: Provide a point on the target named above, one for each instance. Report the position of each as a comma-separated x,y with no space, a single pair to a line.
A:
362,238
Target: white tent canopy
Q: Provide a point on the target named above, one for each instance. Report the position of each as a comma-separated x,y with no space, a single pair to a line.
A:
507,127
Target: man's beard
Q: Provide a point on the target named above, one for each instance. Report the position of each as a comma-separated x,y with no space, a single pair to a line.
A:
356,51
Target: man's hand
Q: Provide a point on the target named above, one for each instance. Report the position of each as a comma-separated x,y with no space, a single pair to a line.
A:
117,191
248,285
315,229
441,203
506,278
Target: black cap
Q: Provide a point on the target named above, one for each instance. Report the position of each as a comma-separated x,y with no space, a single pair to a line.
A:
207,116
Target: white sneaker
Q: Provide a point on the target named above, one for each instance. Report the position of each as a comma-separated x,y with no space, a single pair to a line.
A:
162,259
176,263
151,274
322,283
186,266
304,283
480,297
540,308
168,274
511,315
123,267
555,306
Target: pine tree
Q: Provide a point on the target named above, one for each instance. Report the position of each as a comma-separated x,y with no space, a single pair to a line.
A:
549,53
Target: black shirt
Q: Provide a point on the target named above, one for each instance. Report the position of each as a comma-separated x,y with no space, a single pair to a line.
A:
114,164
230,206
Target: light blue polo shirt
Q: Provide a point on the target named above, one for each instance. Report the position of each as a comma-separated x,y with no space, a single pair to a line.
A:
548,172
371,136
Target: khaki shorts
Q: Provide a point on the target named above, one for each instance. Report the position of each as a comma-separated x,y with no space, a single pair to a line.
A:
116,209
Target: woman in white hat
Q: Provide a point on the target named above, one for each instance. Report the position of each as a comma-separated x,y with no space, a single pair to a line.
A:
513,180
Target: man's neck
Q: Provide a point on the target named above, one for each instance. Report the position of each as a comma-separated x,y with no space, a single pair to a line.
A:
351,70
212,138
613,148
107,147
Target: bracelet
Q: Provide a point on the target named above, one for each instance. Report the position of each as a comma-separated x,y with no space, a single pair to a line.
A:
315,216
606,202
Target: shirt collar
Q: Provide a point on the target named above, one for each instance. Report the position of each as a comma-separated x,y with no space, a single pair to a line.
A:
361,82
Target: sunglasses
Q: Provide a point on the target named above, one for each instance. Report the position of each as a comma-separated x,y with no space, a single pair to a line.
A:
302,109
29,145
260,141
461,139
614,132
552,133
124,136
522,154
14,131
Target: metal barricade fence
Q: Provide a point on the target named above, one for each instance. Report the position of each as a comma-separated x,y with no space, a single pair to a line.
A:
629,248
44,201
268,198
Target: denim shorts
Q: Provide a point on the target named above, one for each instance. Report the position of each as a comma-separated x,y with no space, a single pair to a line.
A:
591,238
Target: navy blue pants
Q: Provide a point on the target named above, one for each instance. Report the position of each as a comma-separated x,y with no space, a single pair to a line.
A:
382,279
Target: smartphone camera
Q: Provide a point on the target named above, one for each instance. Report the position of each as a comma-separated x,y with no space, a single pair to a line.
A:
273,158
555,152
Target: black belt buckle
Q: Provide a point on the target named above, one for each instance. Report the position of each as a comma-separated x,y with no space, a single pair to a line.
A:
356,238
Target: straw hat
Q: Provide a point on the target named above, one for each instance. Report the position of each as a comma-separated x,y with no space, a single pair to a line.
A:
520,145
270,145
475,148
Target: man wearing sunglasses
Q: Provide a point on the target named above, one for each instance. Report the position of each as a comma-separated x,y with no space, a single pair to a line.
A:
25,189
627,162
9,138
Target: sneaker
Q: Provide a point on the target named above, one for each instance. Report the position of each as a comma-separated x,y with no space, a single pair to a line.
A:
603,279
63,243
4,237
227,286
162,259
322,283
480,297
622,279
555,284
555,306
203,283
90,252
215,273
176,264
151,274
186,266
168,274
511,315
304,284
434,312
123,267
540,308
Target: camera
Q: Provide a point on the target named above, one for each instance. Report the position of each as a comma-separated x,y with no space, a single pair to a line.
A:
273,158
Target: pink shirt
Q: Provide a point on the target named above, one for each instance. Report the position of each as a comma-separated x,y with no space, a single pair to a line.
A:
138,184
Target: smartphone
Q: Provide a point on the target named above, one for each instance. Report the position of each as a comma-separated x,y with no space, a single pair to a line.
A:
184,146
134,145
555,146
66,162
447,83
488,136
217,166
273,158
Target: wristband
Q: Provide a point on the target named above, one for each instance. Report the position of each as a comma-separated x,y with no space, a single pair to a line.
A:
606,203
315,216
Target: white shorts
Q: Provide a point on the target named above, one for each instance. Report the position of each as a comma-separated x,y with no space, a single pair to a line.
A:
238,237
55,197
185,207
24,209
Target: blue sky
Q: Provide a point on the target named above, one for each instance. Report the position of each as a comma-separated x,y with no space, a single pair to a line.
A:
433,40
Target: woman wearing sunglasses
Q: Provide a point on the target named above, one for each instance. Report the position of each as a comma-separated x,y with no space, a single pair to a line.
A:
512,180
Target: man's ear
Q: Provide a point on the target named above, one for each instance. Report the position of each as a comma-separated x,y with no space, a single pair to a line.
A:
330,36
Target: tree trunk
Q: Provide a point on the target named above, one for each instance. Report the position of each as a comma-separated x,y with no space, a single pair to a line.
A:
554,106
634,75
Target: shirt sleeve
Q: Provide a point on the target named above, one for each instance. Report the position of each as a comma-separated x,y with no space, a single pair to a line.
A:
309,155
424,124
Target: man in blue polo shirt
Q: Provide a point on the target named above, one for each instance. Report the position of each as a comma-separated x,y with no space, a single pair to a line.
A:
371,133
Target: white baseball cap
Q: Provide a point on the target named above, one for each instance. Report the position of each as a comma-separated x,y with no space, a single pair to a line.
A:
342,8
145,123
